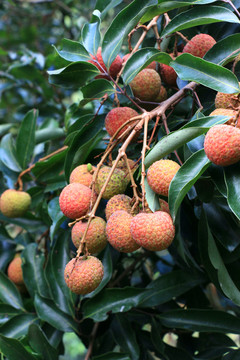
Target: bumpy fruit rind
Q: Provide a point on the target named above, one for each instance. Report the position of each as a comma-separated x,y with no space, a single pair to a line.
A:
82,175
118,202
14,203
154,232
114,68
96,238
222,145
118,232
199,45
234,116
83,275
116,185
14,271
117,117
146,85
227,101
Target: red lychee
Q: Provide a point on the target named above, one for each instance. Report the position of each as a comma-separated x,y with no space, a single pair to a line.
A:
118,202
75,199
83,275
162,95
160,175
116,185
222,145
118,232
199,45
14,203
154,231
235,117
146,85
117,117
168,74
82,174
96,238
114,68
14,271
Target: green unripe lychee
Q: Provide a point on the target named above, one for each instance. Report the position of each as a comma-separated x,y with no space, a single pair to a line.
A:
14,203
96,238
123,166
82,174
14,271
116,185
118,232
154,231
83,275
146,85
117,117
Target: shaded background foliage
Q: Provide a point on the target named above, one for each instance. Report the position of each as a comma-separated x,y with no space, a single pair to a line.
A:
182,303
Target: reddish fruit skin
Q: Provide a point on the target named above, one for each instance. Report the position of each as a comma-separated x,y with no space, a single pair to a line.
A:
117,117
227,101
83,275
199,45
222,145
74,200
160,175
154,232
114,68
164,206
146,85
116,184
96,238
81,175
118,232
14,203
162,95
14,271
234,120
168,74
118,202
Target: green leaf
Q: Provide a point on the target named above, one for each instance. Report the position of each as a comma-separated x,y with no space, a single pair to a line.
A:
112,356
47,311
14,350
91,36
216,77
123,23
224,50
169,286
33,272
56,215
49,134
18,325
140,59
26,138
232,181
185,178
72,51
199,16
105,5
74,75
9,293
201,320
4,128
8,153
96,90
7,312
111,300
40,344
151,197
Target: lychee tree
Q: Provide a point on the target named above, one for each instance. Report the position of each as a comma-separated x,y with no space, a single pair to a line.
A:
129,247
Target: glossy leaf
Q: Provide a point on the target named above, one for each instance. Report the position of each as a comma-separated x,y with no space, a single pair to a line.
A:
96,90
40,344
91,36
18,325
192,68
105,5
140,59
185,178
14,350
201,320
224,50
232,180
8,153
48,134
112,356
121,26
7,312
56,215
9,293
72,51
199,16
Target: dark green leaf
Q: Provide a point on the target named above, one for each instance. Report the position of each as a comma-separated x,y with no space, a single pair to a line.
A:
4,128
151,197
14,350
224,50
232,180
8,153
72,51
56,215
50,168
112,356
18,325
199,16
96,90
105,5
40,344
185,178
123,23
91,36
7,312
49,134
216,77
9,293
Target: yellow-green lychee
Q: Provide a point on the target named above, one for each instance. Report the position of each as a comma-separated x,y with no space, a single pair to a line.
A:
118,202
118,232
117,117
75,199
123,166
116,185
154,231
234,116
199,45
96,238
84,274
14,271
82,174
222,145
160,175
227,101
14,203
146,85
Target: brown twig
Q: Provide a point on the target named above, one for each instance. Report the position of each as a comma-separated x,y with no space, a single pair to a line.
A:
154,130
92,339
143,152
167,132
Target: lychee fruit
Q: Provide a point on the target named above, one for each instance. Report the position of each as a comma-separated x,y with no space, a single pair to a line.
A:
152,65
160,175
154,232
118,202
14,271
235,117
146,85
123,166
118,232
168,74
117,117
227,101
14,203
162,95
96,238
84,274
82,174
114,68
116,185
222,145
199,45
75,199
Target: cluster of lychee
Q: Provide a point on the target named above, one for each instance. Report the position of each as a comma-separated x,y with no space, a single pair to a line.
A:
127,228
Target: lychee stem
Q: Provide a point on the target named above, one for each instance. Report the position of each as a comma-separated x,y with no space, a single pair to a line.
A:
133,184
143,152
